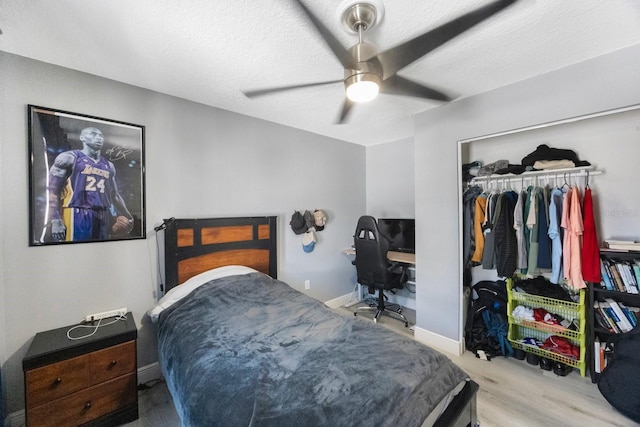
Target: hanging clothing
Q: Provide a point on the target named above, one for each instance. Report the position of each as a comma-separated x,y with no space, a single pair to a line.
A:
527,230
479,215
532,225
506,245
519,226
468,207
544,243
590,249
576,227
566,247
534,231
555,234
488,259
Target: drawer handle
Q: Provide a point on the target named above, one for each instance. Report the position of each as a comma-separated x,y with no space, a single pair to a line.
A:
113,363
87,405
58,380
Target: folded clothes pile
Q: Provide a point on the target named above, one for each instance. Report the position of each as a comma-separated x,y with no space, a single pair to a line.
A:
542,158
550,157
470,170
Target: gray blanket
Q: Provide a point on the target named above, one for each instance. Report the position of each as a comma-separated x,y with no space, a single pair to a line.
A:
249,350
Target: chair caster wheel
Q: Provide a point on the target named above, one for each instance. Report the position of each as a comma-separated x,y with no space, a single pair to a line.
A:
355,314
375,320
406,324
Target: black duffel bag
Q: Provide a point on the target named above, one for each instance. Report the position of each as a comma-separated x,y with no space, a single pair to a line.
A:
619,382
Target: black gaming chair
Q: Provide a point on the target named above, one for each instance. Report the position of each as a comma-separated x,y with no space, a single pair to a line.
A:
374,269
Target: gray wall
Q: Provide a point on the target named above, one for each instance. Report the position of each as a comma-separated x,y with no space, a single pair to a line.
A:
599,84
391,180
391,192
200,162
3,341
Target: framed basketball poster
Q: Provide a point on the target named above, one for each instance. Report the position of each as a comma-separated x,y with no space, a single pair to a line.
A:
86,178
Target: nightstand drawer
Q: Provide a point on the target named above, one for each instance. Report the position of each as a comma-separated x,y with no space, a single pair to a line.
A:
86,405
92,380
57,380
112,362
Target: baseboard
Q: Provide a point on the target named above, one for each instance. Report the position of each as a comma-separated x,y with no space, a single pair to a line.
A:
145,374
438,341
340,301
149,373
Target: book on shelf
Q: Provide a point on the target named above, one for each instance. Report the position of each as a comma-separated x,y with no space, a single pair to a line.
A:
596,356
618,315
620,275
599,359
610,320
604,319
623,245
628,278
631,314
614,275
635,264
605,281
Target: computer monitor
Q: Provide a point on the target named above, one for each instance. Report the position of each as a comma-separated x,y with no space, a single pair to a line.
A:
401,232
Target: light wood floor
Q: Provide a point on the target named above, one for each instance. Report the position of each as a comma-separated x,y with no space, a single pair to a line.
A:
516,394
512,394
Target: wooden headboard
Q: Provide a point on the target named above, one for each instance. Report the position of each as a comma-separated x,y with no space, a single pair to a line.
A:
192,246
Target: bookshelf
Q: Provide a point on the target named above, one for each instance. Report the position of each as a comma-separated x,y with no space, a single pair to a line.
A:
599,293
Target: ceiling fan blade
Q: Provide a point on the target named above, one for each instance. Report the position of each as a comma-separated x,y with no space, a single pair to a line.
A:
346,108
402,55
396,85
261,92
338,50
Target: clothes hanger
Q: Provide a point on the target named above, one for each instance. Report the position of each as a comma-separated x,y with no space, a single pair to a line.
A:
587,181
565,182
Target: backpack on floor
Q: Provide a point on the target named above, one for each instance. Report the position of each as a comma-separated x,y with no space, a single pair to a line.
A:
492,296
619,381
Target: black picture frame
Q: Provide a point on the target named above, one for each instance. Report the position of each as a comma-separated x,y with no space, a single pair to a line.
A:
86,178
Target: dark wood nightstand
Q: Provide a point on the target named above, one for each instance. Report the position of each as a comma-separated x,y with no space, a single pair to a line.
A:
87,381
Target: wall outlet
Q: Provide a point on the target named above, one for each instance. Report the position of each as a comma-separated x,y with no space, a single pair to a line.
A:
103,315
307,285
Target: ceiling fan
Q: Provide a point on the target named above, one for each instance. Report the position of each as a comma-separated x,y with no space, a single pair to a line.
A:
366,72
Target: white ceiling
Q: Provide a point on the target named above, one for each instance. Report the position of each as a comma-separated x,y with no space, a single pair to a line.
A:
210,51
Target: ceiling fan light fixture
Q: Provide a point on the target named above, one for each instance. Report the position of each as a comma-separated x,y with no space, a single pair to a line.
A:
362,87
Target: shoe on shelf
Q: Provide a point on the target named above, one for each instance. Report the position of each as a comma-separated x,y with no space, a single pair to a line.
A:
546,364
561,369
533,359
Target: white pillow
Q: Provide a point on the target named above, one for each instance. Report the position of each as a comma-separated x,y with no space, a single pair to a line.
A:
181,291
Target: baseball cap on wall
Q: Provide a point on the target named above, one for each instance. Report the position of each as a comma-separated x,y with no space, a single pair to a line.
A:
308,219
320,219
297,223
308,241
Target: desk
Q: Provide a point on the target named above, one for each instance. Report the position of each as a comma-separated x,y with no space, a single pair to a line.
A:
403,257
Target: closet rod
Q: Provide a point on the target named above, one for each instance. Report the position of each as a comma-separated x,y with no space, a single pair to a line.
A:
566,172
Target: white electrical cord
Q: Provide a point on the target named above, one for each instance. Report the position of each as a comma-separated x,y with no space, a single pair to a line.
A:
95,327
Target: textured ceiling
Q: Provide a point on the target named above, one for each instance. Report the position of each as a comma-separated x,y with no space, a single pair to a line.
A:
210,51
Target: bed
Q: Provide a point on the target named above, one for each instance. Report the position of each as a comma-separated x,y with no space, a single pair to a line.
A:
238,347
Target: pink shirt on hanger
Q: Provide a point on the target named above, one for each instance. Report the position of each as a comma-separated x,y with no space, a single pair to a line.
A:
566,247
576,227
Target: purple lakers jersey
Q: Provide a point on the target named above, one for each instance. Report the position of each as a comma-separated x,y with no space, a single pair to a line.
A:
90,184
